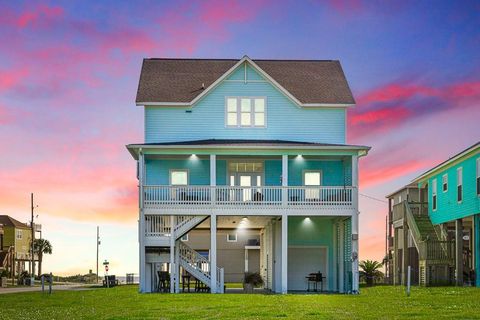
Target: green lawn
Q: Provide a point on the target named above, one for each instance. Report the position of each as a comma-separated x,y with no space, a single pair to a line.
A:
125,303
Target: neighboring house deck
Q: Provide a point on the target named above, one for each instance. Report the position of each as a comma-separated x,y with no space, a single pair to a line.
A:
438,216
262,142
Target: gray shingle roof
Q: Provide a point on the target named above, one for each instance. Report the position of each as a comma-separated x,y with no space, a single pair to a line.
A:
180,80
8,221
247,142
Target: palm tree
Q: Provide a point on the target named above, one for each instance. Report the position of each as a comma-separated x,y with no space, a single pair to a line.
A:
370,271
41,246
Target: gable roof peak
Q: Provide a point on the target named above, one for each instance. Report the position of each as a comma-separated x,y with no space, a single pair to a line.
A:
308,83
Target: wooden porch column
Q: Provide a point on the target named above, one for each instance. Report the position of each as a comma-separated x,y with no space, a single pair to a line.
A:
213,253
177,267
172,255
476,247
341,258
284,179
395,257
284,269
459,252
141,222
213,177
355,213
405,261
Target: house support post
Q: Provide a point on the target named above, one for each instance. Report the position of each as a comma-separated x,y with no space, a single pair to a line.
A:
213,253
476,248
394,272
405,261
284,268
141,222
355,273
177,267
284,179
341,257
459,252
173,269
213,177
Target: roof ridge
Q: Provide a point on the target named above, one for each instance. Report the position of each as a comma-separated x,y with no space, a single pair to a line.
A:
234,59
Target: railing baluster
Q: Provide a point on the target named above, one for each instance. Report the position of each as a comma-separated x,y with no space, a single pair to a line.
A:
306,197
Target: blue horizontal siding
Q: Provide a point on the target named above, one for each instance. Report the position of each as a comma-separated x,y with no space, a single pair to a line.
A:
448,208
285,121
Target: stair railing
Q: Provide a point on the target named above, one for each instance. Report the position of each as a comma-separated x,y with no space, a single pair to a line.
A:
412,224
201,266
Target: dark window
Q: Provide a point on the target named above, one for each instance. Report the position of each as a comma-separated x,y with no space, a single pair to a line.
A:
434,202
459,193
478,185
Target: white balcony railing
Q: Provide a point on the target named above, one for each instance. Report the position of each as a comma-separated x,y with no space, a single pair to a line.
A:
160,197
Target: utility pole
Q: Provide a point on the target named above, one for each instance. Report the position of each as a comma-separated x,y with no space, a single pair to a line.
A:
33,237
98,243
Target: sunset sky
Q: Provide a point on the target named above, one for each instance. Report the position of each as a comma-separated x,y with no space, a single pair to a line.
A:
69,73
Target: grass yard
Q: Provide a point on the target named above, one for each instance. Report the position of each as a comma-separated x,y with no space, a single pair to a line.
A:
125,303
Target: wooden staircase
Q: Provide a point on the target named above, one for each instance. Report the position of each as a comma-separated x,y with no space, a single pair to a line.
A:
158,232
435,253
200,267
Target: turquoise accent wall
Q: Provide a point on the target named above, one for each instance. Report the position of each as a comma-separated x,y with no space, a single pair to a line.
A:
333,171
447,206
158,171
317,232
273,172
284,119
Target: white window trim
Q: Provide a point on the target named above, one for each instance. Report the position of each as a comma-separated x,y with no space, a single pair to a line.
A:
478,176
434,195
228,237
184,238
445,175
460,183
182,170
19,234
252,113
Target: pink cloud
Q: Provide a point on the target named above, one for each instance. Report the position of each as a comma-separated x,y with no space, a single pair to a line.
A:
12,77
377,173
387,107
40,14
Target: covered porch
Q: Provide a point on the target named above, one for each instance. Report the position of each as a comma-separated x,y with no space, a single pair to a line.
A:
287,251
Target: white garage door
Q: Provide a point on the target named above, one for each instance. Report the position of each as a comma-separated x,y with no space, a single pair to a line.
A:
305,260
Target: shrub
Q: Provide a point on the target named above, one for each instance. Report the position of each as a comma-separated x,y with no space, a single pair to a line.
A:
253,278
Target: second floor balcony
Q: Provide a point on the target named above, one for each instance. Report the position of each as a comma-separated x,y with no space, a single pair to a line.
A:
245,198
248,178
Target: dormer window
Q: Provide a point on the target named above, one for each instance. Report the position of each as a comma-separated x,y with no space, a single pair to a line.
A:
245,112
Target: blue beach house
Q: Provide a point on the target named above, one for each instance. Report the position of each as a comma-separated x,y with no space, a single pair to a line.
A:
239,144
451,192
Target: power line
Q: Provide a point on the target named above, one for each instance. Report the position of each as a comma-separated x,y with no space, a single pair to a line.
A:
373,198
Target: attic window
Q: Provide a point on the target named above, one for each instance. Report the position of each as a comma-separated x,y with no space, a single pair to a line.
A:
245,112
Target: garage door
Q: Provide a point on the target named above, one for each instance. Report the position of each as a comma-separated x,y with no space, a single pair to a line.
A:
305,260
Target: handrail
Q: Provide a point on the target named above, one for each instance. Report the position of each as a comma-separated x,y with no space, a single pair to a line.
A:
412,224
200,264
229,196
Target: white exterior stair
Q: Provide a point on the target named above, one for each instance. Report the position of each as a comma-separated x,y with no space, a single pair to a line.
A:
183,224
199,267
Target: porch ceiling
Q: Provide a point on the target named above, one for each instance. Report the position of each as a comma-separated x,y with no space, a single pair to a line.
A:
233,222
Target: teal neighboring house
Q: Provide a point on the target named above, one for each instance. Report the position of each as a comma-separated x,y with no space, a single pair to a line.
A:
232,145
452,190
